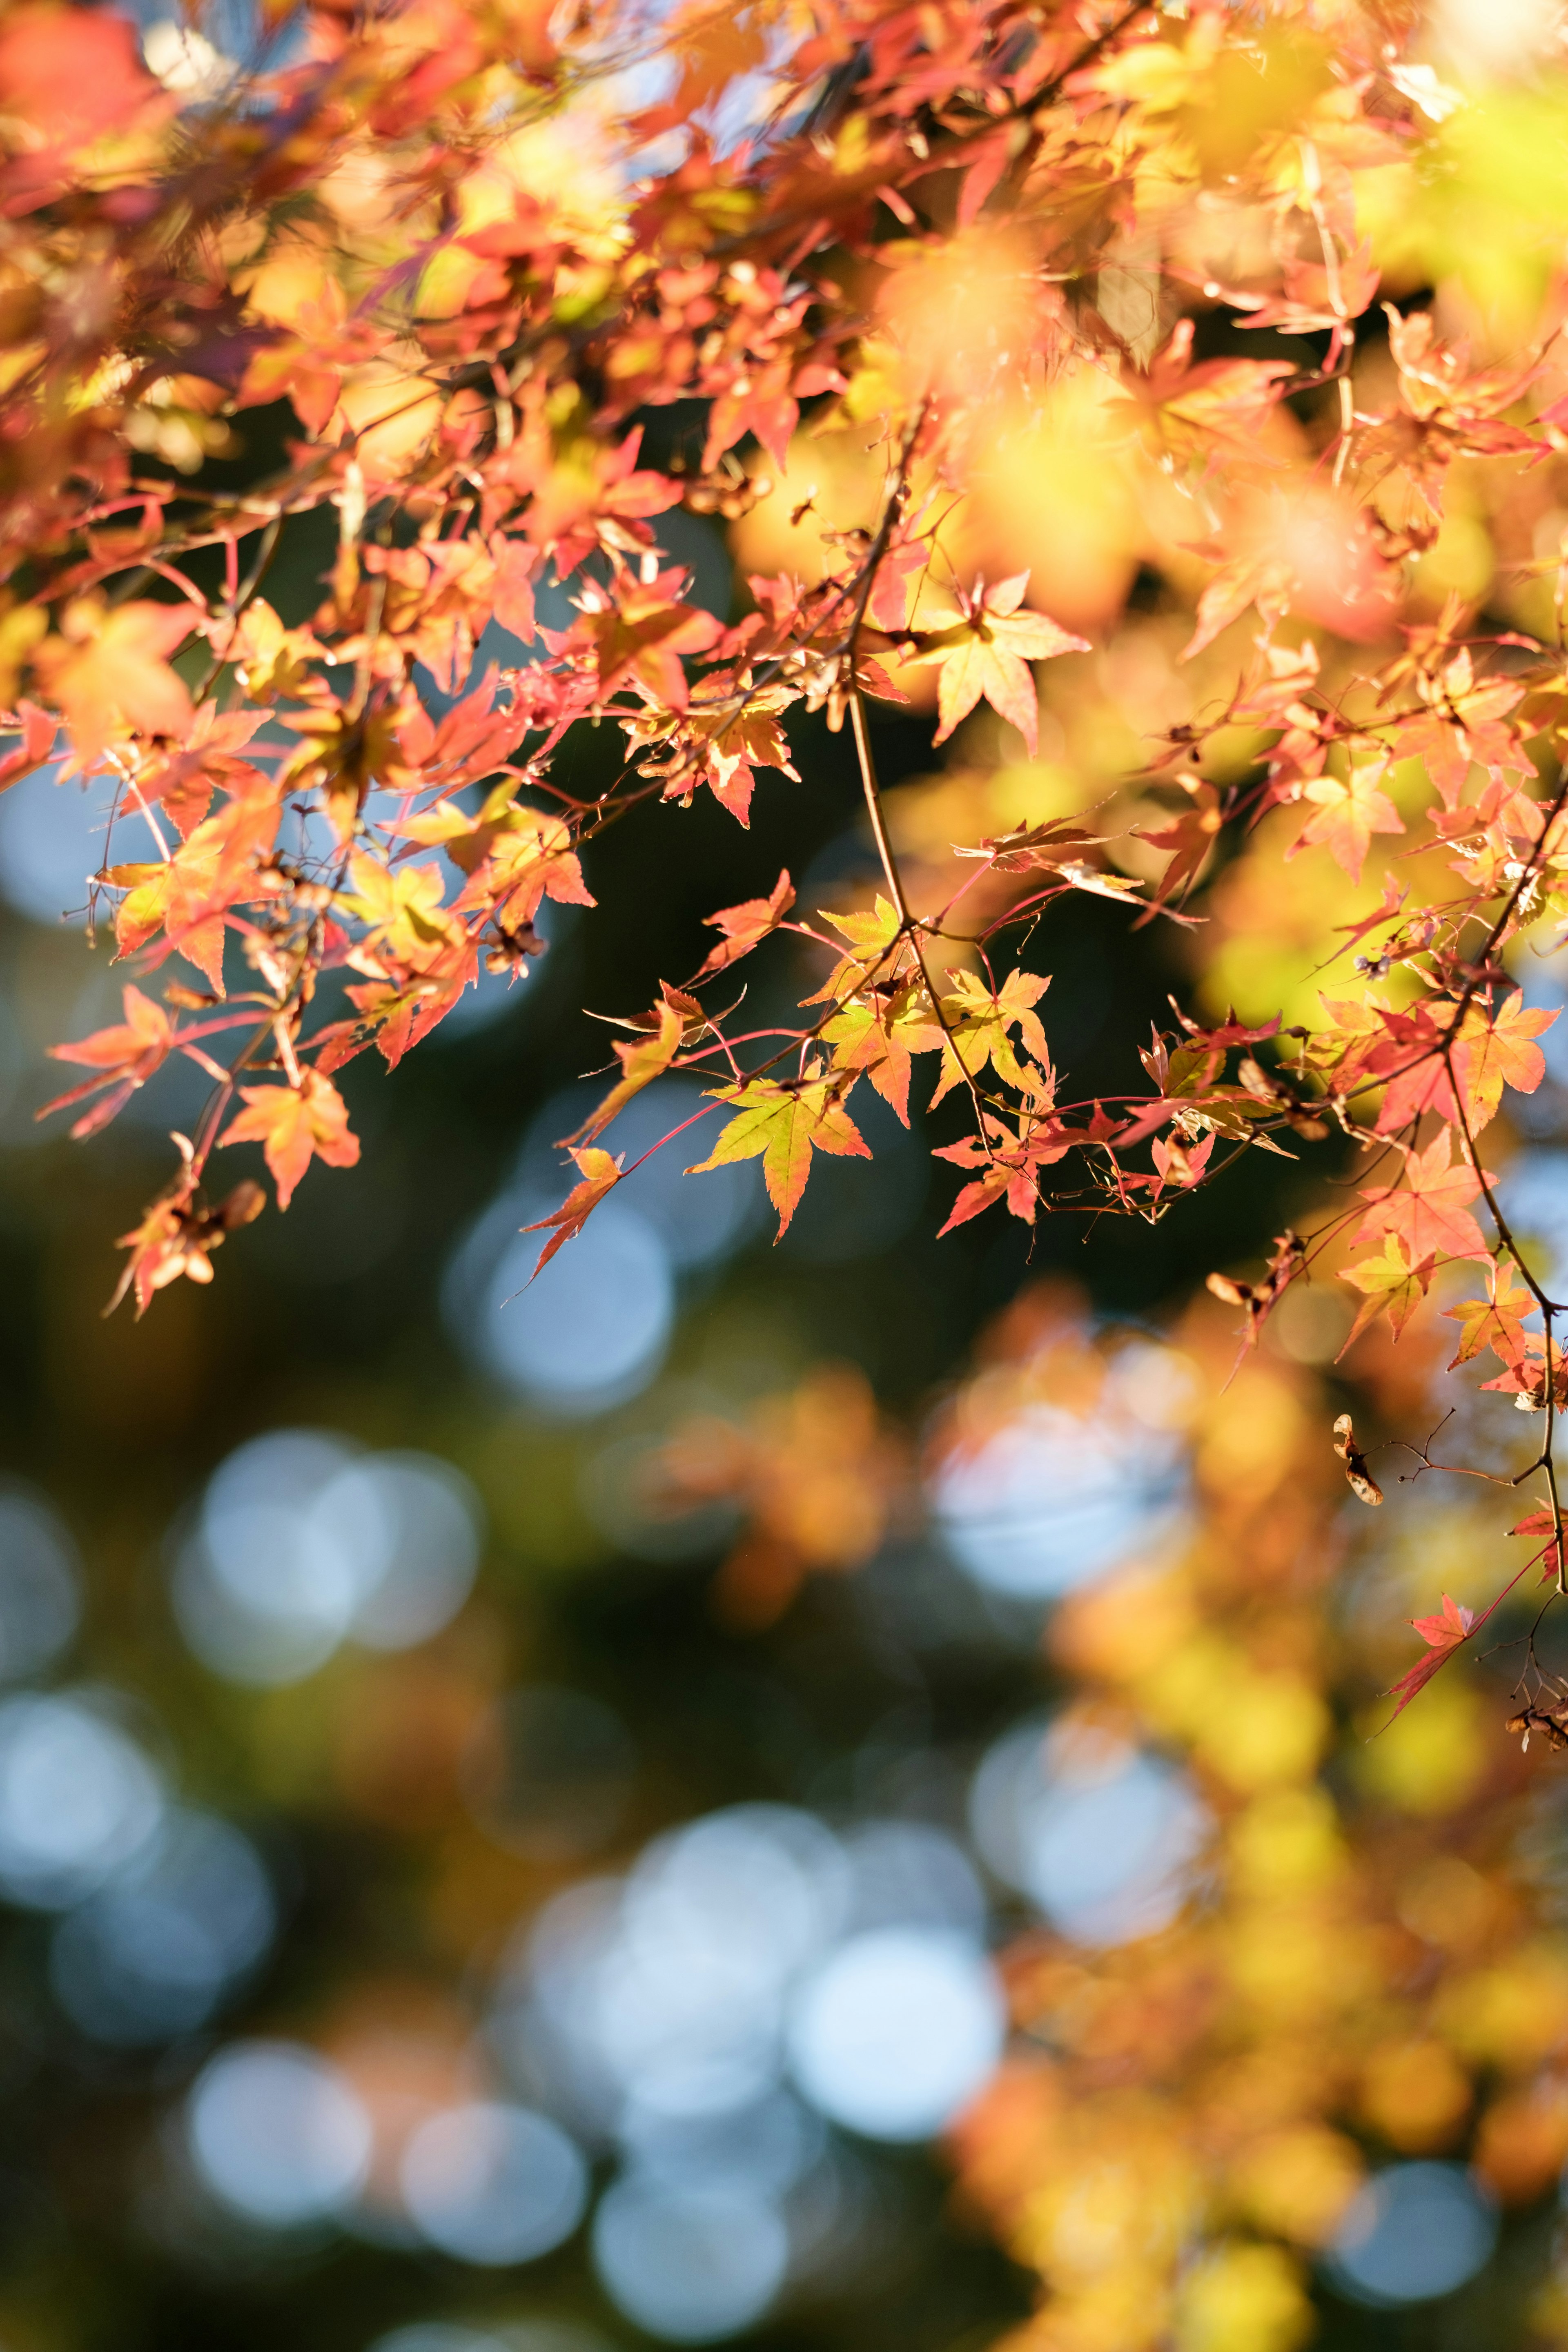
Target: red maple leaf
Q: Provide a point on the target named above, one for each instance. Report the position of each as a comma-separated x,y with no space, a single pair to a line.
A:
1431,1212
1544,1525
1443,1635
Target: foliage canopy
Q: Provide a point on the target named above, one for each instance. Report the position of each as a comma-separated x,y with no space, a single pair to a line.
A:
1208,359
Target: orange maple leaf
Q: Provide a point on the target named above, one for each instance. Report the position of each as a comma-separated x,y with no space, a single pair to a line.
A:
514,858
875,1036
1349,814
745,926
600,1175
988,653
1189,837
1010,1166
647,1058
126,1056
513,590
732,754
293,1123
1544,1524
644,634
37,732
183,782
188,896
1500,1052
108,670
1494,1322
782,1126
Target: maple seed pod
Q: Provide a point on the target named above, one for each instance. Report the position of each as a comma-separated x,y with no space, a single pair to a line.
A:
1548,1722
1361,1480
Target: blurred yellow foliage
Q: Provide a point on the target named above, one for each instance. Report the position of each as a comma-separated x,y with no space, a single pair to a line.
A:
1358,1973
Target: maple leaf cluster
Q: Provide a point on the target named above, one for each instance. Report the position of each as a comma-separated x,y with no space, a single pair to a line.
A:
1031,359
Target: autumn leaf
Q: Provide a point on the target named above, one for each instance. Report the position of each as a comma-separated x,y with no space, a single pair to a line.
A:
976,1031
1189,837
1443,1635
38,731
647,1058
875,1037
1413,1053
398,1012
126,1055
513,587
744,927
1495,1321
1499,1050
782,1126
183,782
1525,1376
294,1124
988,653
177,1238
1216,409
600,1174
529,857
643,635
188,896
1349,814
1010,1165
401,908
108,670
732,751
1391,1283
872,939
1431,1214
761,404
1544,1526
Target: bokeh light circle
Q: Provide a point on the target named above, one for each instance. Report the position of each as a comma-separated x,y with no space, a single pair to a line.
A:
40,1597
77,1800
589,1332
493,2184
1413,2233
277,2134
896,2031
303,1542
1052,1498
1101,1836
908,1874
691,2266
264,1596
409,1525
155,1953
